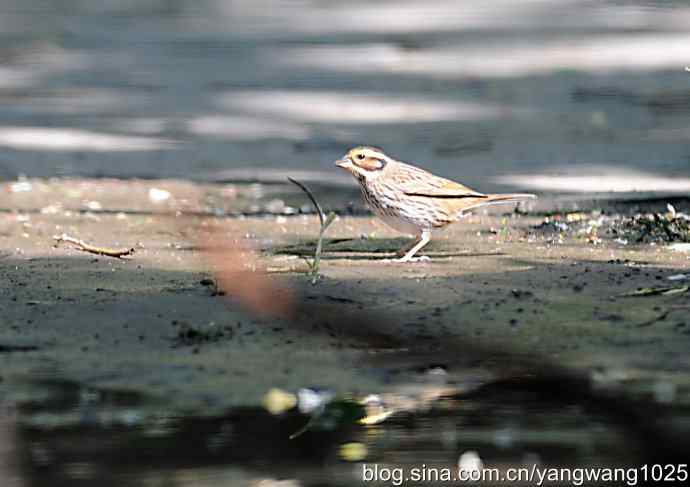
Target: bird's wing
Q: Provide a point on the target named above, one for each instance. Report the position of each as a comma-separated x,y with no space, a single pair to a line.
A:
418,182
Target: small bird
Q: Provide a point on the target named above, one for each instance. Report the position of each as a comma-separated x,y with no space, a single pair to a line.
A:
412,200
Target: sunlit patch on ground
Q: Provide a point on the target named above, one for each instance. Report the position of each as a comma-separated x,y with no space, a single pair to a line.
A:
274,18
58,140
347,108
520,58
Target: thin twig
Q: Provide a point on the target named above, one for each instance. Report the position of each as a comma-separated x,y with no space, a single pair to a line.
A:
305,428
319,210
319,247
326,221
81,245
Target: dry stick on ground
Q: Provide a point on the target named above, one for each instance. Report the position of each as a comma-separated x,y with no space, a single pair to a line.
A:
325,220
81,245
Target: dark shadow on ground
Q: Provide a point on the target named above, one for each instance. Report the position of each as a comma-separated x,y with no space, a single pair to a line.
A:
103,325
367,249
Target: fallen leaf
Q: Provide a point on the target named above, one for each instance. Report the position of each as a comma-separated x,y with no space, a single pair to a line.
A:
277,401
353,452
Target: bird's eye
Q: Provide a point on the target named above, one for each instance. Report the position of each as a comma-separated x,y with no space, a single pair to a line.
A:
360,157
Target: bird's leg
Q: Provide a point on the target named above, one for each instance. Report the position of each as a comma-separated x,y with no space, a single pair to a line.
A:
415,247
408,246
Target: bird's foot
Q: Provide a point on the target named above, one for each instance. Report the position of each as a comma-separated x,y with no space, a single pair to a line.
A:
400,254
401,260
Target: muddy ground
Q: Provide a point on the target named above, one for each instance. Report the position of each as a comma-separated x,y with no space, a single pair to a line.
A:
155,325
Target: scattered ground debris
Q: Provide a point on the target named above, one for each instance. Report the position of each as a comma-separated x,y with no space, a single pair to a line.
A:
593,226
656,227
576,224
213,285
326,221
521,293
188,334
81,245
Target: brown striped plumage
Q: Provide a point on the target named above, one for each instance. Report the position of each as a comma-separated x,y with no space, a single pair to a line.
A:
410,199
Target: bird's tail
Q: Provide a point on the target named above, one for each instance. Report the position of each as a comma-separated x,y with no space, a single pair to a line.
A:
501,199
509,198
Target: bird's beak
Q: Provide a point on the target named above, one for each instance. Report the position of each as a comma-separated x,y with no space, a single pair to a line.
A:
345,162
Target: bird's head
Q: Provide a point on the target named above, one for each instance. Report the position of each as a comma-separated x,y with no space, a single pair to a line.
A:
364,163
